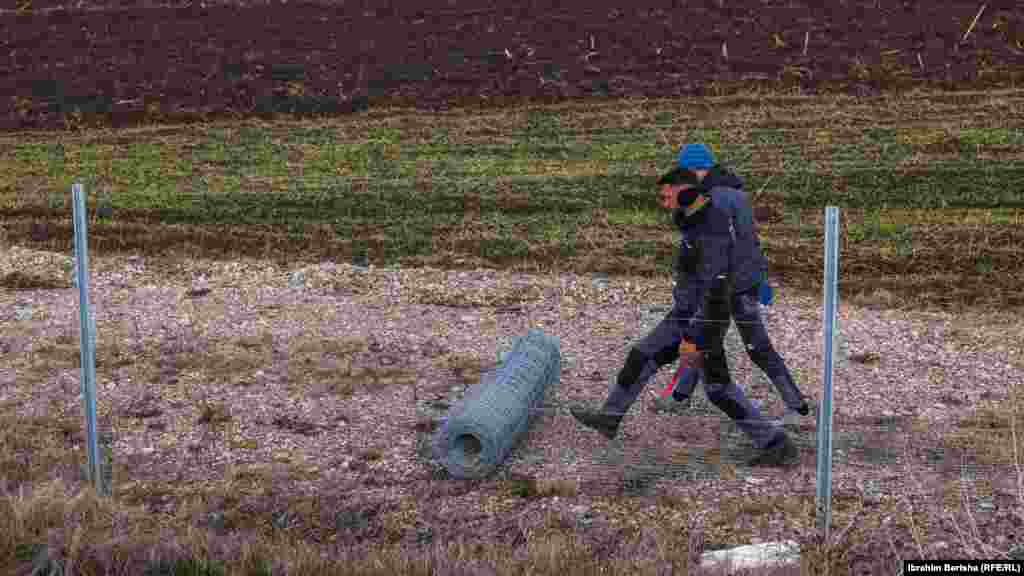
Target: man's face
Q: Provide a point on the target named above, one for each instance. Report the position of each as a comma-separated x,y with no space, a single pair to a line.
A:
670,195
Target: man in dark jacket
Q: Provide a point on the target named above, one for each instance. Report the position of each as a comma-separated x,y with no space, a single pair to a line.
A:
698,159
722,260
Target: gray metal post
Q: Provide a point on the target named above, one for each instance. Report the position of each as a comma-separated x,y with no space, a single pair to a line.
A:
824,443
88,345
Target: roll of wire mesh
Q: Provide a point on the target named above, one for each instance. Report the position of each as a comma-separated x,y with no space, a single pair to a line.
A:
483,428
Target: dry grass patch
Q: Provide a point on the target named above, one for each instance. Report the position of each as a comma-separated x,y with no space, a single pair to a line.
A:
878,298
556,553
51,262
32,281
986,433
34,446
52,530
500,292
227,508
235,364
63,352
465,366
111,352
213,413
340,366
371,454
233,361
858,530
254,499
530,487
256,342
643,539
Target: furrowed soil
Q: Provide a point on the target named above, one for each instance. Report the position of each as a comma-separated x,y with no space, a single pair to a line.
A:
126,62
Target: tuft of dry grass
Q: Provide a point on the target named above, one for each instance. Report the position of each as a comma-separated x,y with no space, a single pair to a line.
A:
99,536
987,433
531,487
92,535
372,454
213,413
29,281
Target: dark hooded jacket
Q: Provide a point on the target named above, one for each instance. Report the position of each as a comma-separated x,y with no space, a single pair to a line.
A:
744,260
724,257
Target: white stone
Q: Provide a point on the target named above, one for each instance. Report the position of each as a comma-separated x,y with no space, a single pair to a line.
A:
766,555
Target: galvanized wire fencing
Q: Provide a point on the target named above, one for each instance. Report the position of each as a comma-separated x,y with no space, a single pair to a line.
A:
885,454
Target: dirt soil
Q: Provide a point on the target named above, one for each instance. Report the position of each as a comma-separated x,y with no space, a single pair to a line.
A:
126,62
130,62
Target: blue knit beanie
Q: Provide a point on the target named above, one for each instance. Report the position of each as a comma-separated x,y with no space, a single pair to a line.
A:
696,157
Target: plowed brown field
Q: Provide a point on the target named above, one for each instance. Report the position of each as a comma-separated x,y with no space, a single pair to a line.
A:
127,61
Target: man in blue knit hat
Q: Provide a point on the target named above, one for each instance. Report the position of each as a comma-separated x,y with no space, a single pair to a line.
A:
721,263
698,159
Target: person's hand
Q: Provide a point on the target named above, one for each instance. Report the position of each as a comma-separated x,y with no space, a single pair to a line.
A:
686,347
689,355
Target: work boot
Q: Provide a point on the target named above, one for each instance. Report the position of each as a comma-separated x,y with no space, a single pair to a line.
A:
782,453
605,423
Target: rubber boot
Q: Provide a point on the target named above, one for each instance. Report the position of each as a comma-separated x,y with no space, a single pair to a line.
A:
604,422
782,453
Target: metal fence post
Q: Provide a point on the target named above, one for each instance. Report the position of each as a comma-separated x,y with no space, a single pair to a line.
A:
824,443
88,346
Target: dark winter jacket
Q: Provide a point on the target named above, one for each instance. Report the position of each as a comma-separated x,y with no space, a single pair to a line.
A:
723,255
717,176
683,291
